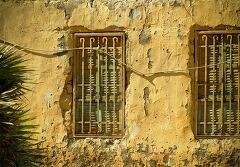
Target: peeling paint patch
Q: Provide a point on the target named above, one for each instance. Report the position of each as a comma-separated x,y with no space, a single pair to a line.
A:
174,3
152,163
48,98
144,37
146,100
134,130
134,13
149,55
238,12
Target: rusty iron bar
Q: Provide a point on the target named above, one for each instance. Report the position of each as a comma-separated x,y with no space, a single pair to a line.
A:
238,112
107,115
230,85
83,43
196,85
218,84
99,112
75,41
219,32
90,82
101,91
222,80
214,80
114,82
204,37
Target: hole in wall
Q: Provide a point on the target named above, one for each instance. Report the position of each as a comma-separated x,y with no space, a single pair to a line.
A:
146,100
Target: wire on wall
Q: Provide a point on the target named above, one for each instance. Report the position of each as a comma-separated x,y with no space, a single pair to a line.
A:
56,52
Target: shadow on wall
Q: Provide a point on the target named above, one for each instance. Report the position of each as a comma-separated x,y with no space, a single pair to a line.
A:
65,101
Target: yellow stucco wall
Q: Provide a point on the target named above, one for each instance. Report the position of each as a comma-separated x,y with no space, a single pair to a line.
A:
158,32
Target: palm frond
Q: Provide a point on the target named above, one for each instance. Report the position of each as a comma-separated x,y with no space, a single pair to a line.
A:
18,147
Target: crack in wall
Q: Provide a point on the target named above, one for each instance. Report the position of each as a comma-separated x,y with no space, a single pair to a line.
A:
80,152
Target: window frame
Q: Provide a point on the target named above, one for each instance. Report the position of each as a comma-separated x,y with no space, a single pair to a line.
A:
123,70
195,84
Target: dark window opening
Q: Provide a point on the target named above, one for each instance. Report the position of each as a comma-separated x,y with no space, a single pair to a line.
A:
217,100
99,84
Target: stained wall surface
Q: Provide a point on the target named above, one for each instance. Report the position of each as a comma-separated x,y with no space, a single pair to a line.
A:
159,108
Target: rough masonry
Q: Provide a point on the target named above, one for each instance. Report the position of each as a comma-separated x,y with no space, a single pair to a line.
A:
159,107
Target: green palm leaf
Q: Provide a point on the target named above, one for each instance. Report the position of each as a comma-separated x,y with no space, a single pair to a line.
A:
17,144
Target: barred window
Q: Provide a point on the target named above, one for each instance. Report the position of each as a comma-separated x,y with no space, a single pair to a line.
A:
99,84
217,91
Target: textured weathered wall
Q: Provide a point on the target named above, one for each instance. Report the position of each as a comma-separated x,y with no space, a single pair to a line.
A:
158,108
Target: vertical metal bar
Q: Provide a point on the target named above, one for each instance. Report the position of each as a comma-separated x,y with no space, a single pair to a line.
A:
204,37
83,71
99,112
230,84
223,116
90,84
115,40
91,118
121,119
197,57
238,112
107,116
74,84
222,84
214,80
